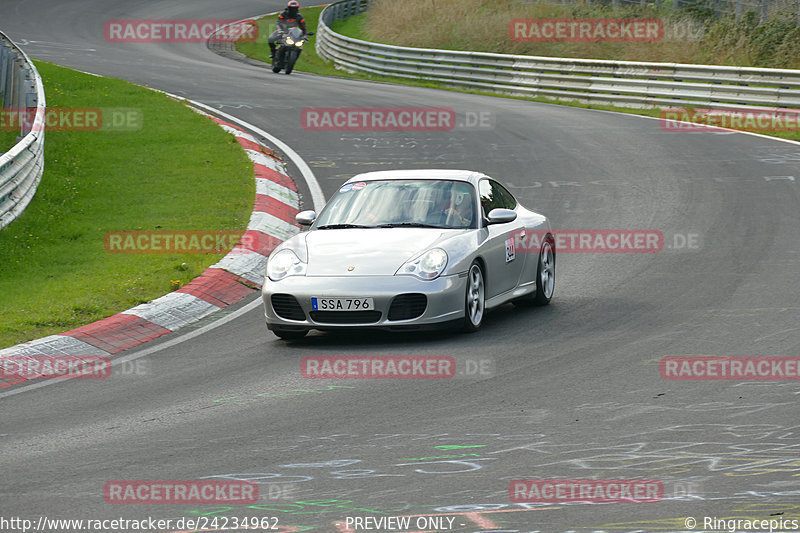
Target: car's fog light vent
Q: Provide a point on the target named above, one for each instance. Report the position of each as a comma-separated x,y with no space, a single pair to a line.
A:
286,306
408,306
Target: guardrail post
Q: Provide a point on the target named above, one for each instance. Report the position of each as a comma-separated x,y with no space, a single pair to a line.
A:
28,101
4,50
8,86
13,90
23,75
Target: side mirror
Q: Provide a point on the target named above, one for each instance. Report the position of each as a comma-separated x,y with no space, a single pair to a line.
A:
309,33
306,218
501,216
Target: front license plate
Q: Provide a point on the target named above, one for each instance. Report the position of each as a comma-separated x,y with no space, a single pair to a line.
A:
342,304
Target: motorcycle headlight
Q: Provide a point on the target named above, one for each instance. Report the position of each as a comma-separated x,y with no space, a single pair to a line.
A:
299,43
426,266
284,264
289,40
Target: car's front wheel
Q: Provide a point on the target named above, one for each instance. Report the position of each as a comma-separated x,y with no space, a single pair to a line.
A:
475,304
289,334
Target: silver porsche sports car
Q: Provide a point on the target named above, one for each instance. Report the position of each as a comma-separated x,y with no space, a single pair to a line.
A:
408,249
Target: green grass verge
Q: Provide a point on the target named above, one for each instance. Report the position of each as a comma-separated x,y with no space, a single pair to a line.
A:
180,171
355,27
7,140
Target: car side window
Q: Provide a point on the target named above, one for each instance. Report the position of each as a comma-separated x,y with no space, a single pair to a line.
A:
487,196
494,195
507,199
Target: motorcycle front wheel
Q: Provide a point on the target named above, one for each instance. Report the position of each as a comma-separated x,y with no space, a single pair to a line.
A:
291,59
277,63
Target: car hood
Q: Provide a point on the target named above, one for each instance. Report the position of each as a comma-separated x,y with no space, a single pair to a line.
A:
370,252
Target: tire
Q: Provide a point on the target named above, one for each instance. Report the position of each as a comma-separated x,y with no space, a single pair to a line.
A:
545,277
277,63
474,299
291,59
289,334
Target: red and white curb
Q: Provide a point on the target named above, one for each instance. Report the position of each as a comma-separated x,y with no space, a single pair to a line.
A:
237,275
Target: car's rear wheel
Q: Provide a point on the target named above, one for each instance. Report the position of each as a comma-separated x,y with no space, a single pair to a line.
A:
545,277
475,304
289,334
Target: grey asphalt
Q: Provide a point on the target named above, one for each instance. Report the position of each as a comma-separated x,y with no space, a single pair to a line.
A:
575,391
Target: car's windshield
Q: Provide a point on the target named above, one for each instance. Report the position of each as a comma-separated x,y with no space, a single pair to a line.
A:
401,203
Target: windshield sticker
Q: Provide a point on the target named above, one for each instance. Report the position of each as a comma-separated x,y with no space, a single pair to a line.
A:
346,188
358,186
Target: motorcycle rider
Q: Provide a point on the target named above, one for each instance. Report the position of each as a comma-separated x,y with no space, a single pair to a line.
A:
289,18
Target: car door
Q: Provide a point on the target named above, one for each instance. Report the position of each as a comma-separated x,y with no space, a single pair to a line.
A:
504,262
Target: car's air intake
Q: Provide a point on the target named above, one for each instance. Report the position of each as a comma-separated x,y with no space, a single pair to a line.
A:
286,307
408,306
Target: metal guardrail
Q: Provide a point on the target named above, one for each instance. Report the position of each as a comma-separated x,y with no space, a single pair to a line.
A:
21,92
620,83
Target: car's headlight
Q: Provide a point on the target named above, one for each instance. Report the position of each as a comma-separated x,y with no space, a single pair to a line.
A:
283,264
426,266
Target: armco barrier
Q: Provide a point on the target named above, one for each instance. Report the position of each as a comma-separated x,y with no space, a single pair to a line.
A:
21,167
621,83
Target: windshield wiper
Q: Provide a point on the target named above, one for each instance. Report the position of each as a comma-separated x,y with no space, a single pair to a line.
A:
407,225
343,226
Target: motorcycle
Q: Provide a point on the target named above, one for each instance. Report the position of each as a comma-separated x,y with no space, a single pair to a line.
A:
290,44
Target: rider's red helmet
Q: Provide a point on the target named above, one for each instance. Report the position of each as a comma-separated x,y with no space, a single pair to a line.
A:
293,3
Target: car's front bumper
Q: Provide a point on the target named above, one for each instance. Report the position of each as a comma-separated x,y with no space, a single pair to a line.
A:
445,301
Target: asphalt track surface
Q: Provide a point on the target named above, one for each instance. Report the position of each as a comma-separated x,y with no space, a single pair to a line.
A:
576,391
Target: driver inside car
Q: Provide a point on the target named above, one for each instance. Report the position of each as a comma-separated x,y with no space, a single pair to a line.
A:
462,213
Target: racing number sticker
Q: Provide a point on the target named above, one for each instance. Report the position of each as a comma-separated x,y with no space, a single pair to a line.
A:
511,252
347,187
